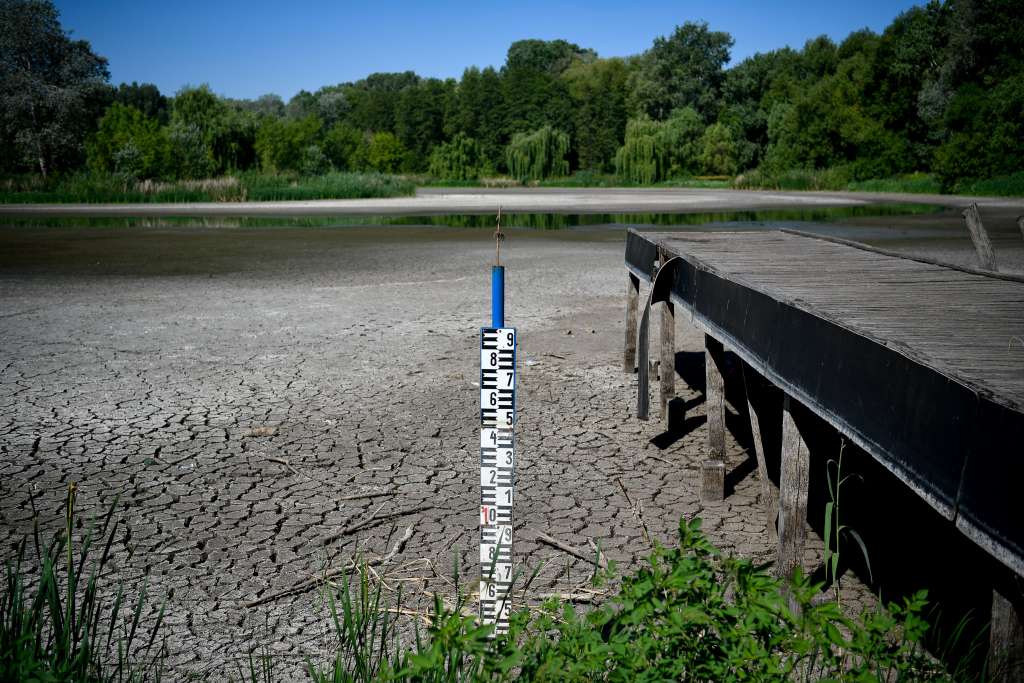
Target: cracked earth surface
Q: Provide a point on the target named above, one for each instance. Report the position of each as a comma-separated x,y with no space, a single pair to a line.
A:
238,389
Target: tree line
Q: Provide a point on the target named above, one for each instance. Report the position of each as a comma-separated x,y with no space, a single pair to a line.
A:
940,90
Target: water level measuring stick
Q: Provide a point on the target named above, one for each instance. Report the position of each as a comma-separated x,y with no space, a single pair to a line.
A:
497,454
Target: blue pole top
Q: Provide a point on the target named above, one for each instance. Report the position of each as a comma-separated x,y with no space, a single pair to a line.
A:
497,296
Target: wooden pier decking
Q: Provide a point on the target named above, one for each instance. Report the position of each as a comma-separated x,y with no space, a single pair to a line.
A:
918,363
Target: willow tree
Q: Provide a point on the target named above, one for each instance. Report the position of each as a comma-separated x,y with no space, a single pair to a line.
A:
537,155
642,158
460,159
656,150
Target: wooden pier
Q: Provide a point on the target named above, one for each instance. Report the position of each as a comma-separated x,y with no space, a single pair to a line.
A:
920,364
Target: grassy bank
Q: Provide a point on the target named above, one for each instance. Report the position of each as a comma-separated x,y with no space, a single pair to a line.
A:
689,613
88,188
838,179
91,188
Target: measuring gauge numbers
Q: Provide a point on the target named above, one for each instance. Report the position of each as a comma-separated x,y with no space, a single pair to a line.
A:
497,471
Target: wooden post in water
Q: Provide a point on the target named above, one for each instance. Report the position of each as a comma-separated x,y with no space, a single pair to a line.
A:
1006,639
982,244
768,492
714,401
793,484
632,301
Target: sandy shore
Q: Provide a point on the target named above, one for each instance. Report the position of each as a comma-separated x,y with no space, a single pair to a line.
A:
434,201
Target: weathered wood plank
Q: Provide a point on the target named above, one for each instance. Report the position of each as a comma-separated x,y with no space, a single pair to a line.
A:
793,484
632,303
1006,640
982,244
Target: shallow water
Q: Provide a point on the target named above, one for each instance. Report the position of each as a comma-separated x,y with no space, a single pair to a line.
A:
255,243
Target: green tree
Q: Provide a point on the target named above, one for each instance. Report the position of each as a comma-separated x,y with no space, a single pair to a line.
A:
657,150
477,109
373,100
642,158
340,145
598,90
682,70
196,124
459,159
46,81
146,98
129,143
285,144
381,152
537,155
419,119
535,95
718,150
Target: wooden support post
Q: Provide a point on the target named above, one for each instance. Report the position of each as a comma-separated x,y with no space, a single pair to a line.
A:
667,369
793,484
982,244
712,481
1020,224
1006,640
714,402
632,301
714,396
768,493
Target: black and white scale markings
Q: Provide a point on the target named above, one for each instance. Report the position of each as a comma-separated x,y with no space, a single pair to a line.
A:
497,472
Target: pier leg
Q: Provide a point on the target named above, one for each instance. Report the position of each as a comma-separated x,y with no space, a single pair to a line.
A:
768,493
793,484
667,369
632,301
714,401
1006,640
982,244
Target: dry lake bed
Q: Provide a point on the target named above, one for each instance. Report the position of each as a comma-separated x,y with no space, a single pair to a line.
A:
250,392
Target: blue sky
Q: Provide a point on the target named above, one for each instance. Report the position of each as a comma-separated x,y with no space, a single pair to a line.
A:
245,49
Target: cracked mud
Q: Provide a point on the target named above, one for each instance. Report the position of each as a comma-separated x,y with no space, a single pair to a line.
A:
251,393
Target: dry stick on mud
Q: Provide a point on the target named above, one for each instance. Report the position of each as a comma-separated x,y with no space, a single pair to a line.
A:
602,562
367,495
314,581
371,521
637,511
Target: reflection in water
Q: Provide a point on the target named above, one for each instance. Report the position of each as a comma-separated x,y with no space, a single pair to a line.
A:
537,221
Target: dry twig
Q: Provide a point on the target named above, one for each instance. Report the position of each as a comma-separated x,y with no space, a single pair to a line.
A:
565,547
637,510
326,577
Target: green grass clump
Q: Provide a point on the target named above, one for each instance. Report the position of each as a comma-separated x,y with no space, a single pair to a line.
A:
1001,186
56,626
688,614
916,183
96,188
335,185
794,179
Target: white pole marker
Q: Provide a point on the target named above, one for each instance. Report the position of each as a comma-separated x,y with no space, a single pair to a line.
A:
497,472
